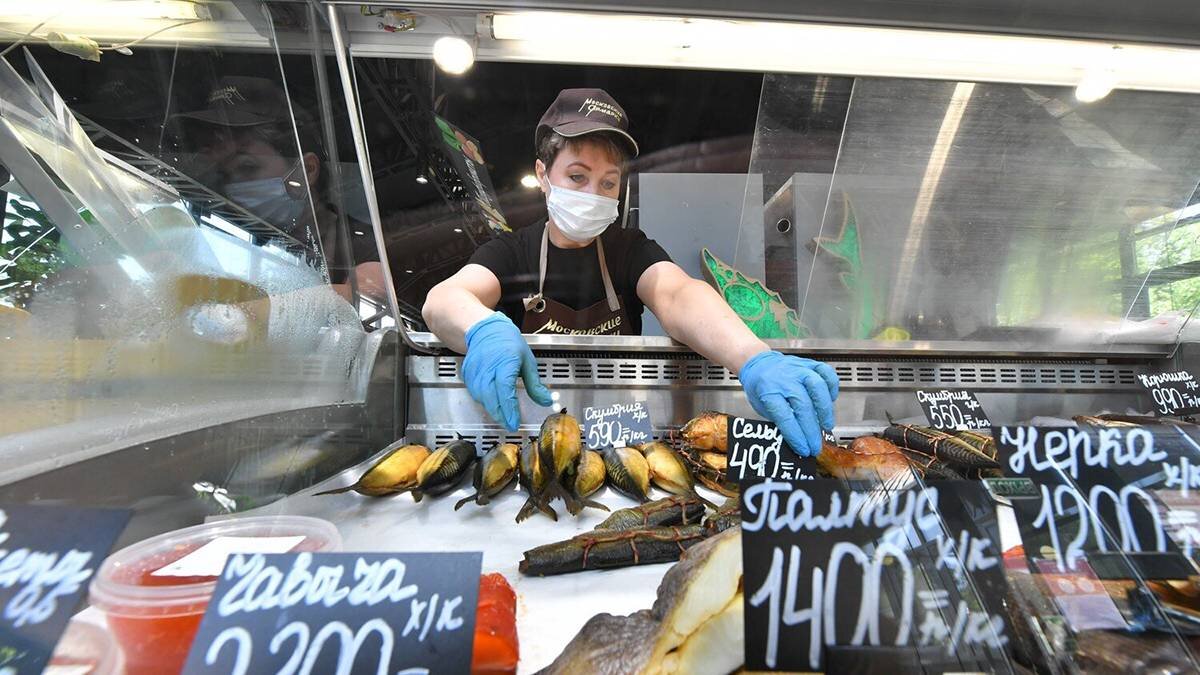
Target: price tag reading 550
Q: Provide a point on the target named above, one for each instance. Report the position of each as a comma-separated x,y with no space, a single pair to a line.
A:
952,409
618,425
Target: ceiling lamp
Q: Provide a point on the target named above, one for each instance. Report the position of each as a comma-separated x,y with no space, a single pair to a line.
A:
453,54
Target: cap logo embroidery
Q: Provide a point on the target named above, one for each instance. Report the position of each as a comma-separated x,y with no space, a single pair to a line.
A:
593,105
228,94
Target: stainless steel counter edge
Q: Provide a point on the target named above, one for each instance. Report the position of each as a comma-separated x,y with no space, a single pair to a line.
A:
916,348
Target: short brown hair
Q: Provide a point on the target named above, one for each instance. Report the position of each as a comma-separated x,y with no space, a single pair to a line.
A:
553,143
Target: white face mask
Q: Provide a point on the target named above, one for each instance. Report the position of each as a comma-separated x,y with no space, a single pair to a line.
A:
580,216
268,199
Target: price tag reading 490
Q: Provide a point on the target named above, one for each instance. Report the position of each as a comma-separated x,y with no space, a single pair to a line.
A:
953,409
619,425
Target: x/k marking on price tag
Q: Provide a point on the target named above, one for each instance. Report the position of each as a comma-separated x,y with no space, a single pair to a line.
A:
952,409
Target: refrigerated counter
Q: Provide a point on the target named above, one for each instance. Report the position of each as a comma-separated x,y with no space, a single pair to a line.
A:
177,344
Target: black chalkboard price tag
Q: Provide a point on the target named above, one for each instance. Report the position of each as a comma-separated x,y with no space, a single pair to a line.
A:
48,555
1100,489
827,565
1176,393
757,450
618,425
952,409
406,613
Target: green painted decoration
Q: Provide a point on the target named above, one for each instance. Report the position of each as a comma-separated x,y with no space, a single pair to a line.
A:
846,247
762,309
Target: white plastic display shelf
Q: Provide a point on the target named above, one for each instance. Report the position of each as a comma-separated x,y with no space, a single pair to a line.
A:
550,610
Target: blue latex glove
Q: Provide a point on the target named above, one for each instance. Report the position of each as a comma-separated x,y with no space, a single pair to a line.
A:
796,394
496,356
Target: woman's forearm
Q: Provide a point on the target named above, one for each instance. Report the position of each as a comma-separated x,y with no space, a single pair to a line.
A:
450,311
698,317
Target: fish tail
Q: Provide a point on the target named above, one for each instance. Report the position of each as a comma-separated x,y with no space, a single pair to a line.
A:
595,505
574,504
526,509
337,491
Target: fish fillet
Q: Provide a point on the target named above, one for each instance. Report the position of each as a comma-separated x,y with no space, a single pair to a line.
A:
716,648
695,624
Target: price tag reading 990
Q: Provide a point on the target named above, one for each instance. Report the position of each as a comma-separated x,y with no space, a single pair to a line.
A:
953,409
1175,393
617,426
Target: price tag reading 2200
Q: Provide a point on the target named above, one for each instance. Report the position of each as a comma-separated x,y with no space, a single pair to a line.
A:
952,409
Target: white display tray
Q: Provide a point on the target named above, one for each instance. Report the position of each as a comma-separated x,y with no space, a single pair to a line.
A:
550,610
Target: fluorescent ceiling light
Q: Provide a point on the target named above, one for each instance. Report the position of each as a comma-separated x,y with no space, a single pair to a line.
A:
74,10
835,50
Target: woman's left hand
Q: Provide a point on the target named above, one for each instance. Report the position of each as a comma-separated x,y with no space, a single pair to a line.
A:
796,394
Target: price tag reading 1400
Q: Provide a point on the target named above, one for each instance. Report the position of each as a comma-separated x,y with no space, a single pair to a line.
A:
618,425
953,409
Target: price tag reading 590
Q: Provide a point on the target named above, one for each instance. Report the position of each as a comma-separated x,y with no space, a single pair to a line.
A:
618,425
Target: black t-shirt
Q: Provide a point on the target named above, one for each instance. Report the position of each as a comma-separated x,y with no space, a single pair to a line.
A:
361,249
572,275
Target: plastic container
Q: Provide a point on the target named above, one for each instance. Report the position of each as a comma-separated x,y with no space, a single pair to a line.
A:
154,618
85,644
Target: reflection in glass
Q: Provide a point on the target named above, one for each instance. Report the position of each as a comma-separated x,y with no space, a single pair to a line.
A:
172,254
975,211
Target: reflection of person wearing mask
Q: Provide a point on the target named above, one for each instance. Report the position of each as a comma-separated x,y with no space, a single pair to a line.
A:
578,275
246,142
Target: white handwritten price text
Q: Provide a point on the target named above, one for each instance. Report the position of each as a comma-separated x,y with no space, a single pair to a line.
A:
260,586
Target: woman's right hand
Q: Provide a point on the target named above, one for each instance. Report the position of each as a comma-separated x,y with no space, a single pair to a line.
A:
496,356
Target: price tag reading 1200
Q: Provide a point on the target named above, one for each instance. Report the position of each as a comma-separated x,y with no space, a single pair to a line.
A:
1175,393
619,425
953,409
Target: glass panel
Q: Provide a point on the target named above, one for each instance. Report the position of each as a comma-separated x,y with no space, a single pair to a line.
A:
185,243
1108,541
973,211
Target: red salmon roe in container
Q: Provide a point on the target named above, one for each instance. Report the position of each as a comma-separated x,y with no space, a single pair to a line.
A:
154,618
86,646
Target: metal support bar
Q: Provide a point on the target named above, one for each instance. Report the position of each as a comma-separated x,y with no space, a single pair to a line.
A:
333,162
364,167
30,175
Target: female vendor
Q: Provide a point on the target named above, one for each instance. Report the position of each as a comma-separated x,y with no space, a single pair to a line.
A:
578,275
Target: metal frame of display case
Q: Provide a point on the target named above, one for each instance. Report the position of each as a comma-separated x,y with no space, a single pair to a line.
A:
675,383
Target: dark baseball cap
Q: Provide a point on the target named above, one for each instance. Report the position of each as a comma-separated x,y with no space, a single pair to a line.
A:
577,112
121,95
238,101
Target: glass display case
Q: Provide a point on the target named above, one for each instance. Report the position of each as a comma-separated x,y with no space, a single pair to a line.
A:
223,219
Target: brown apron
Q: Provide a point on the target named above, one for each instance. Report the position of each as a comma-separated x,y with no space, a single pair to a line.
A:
543,315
